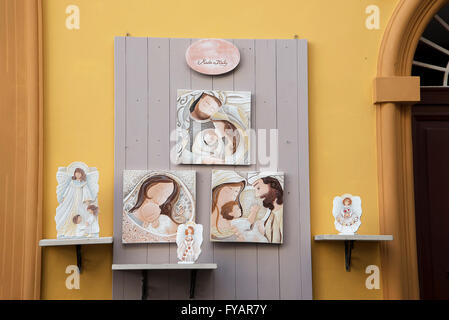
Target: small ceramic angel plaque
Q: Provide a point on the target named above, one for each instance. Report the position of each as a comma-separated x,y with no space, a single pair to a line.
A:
347,211
77,195
189,239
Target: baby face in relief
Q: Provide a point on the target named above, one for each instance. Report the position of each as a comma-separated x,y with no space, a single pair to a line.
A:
236,212
149,212
210,137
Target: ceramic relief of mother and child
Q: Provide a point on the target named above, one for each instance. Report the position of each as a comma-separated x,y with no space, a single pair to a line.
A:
156,203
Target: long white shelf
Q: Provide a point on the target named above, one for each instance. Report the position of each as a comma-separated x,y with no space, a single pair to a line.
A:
165,266
74,241
358,237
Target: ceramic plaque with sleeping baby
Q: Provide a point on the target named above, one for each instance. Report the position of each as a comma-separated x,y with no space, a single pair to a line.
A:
247,206
155,203
212,127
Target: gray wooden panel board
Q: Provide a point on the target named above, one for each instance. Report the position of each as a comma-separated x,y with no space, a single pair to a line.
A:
136,121
266,118
246,254
136,140
205,280
304,184
119,161
179,79
224,253
158,147
287,106
148,73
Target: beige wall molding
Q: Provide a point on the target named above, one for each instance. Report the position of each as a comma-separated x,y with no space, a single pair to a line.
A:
21,149
394,145
396,89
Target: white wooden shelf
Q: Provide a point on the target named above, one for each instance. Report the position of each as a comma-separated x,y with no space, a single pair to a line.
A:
193,267
74,241
349,242
77,242
165,266
358,237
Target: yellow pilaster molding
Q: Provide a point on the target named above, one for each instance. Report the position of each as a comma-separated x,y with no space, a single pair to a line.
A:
396,89
21,148
394,146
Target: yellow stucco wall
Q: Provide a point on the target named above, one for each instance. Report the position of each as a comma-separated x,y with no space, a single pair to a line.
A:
79,114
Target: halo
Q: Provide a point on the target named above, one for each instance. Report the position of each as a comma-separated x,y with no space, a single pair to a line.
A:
190,223
254,176
77,164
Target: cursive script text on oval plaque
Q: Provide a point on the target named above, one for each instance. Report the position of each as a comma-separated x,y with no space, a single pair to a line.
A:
212,56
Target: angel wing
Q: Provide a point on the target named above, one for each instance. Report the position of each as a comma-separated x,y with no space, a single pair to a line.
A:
338,204
92,182
357,205
198,238
63,179
180,234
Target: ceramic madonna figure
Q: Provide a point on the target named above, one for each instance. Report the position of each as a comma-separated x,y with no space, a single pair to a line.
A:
347,211
77,191
189,239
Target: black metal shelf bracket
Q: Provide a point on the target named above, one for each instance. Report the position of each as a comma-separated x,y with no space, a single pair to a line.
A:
193,273
192,283
79,259
349,245
144,284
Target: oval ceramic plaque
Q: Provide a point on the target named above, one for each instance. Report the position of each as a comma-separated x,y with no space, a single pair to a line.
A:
212,56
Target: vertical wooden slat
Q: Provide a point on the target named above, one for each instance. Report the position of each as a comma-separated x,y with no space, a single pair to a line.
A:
287,107
179,79
304,189
246,254
158,146
224,253
205,279
136,141
266,118
119,162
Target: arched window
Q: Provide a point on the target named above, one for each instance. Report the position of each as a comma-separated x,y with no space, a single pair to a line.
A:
431,60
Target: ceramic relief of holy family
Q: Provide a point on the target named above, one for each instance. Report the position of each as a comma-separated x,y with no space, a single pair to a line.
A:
247,206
